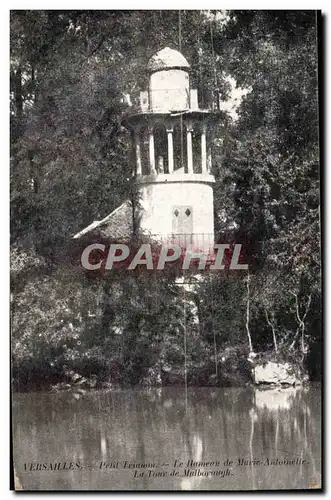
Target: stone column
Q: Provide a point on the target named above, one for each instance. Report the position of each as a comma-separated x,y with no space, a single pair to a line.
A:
209,162
203,149
151,151
211,137
170,150
138,151
189,148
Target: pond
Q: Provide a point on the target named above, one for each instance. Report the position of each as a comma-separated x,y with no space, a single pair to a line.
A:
168,439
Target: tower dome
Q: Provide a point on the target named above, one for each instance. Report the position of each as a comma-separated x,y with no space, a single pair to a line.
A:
169,82
167,59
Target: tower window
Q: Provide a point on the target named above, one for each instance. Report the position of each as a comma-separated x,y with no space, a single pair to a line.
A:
182,220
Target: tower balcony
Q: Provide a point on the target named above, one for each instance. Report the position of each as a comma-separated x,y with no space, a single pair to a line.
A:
172,101
172,144
177,176
197,243
194,241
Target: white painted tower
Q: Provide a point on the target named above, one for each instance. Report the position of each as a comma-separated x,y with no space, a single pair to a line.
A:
171,131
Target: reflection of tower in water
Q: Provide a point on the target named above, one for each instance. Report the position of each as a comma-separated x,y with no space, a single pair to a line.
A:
191,483
288,411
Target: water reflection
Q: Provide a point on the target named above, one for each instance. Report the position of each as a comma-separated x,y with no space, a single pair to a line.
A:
154,427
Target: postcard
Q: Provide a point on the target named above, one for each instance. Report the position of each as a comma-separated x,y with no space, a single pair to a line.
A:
166,322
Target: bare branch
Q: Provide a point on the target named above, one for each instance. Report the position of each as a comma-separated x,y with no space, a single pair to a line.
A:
301,321
307,307
272,326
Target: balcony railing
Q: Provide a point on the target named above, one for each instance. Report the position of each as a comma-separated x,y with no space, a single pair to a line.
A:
148,101
197,242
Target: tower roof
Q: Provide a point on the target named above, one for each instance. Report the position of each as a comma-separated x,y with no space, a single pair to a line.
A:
166,59
116,225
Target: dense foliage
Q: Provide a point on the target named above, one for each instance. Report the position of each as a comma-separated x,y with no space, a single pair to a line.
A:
70,165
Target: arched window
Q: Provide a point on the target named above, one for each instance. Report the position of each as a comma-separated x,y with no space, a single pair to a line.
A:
161,149
196,147
144,150
180,148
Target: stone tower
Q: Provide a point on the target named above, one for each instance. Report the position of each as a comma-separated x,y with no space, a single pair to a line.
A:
171,128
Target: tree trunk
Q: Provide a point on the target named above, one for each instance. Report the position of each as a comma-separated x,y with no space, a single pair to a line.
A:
301,322
272,326
248,315
18,96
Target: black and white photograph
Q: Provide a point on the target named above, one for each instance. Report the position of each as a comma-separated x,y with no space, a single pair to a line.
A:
165,250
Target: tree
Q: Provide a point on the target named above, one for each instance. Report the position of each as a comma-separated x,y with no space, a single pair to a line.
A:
70,165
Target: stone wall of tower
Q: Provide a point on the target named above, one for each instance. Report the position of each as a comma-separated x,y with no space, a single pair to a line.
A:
169,90
163,205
